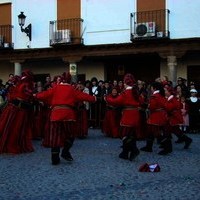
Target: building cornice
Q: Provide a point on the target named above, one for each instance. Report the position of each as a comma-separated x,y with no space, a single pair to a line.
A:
178,47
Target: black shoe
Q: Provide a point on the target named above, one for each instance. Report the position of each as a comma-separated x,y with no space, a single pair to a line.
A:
123,155
146,149
167,147
161,146
67,156
164,152
179,141
134,154
56,162
188,141
55,159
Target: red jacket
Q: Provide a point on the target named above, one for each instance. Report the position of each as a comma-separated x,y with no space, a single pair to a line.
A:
24,92
63,99
130,108
158,114
173,107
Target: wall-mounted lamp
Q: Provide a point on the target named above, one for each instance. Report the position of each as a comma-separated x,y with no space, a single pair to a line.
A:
21,20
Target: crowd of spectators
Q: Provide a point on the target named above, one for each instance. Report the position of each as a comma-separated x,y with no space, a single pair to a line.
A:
187,93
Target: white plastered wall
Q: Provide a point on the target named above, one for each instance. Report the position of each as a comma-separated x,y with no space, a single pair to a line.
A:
92,69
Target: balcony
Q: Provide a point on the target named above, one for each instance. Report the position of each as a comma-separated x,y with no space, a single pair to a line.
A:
148,25
6,36
66,31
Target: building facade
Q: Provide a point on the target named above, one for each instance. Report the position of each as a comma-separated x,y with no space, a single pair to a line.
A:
103,38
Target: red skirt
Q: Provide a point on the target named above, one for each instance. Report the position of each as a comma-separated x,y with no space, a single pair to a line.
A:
111,123
60,132
128,131
47,124
155,131
81,127
15,130
141,130
39,121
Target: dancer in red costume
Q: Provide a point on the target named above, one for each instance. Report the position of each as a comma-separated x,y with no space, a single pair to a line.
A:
157,119
130,120
142,129
111,122
175,119
81,130
63,97
15,121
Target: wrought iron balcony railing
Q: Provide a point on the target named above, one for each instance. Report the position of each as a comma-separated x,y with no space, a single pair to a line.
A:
66,31
150,25
6,36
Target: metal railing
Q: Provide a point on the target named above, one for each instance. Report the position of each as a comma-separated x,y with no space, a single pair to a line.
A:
66,31
150,24
6,36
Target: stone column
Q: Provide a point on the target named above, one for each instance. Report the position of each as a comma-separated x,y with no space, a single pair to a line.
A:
73,68
73,71
18,68
172,69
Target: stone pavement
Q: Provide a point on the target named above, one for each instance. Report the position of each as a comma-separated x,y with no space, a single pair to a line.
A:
98,174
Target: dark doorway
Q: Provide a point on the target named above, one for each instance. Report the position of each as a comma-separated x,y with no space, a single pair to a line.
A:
193,75
143,67
40,77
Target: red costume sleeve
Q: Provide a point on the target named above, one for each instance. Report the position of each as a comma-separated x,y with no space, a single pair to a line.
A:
45,95
81,96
